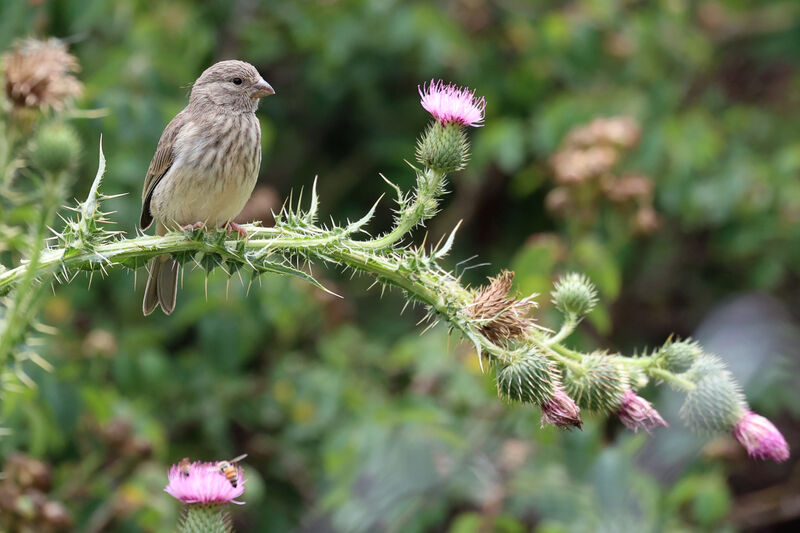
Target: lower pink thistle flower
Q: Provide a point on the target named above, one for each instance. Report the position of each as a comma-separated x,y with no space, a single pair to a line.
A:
637,413
449,103
202,483
561,411
761,438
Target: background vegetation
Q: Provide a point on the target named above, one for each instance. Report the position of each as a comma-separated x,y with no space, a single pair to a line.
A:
351,419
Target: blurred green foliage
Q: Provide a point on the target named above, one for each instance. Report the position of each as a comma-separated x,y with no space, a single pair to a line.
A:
352,421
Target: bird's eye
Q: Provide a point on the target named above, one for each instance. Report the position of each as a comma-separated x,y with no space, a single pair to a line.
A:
237,81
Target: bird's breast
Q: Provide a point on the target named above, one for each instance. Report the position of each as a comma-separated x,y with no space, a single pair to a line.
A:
215,169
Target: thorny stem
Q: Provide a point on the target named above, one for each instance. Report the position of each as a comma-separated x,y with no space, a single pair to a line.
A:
295,235
423,207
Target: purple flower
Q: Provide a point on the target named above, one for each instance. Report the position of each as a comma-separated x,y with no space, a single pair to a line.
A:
202,483
561,411
637,413
760,438
452,104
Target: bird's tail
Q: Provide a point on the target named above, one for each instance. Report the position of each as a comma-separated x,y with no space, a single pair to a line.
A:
162,285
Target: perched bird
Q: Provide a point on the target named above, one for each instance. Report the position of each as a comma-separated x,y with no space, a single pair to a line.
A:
205,166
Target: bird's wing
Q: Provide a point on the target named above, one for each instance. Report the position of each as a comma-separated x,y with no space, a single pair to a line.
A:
160,165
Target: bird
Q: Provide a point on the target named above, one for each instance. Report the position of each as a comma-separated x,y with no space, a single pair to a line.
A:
205,167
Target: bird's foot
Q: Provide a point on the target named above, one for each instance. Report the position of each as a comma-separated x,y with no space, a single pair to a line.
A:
233,226
192,227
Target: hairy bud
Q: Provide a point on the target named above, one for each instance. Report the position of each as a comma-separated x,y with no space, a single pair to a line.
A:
55,148
574,295
561,411
528,379
678,356
637,413
600,387
444,148
761,438
715,404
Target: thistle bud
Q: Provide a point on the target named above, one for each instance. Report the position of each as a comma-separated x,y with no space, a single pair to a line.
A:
715,403
444,148
55,148
761,438
574,295
637,413
678,356
561,411
600,387
528,379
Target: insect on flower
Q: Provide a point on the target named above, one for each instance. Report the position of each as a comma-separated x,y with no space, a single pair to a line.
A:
230,470
185,467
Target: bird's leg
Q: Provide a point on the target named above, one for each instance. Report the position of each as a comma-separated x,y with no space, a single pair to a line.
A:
191,227
233,226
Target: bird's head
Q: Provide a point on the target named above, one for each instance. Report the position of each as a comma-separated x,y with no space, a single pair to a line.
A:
235,85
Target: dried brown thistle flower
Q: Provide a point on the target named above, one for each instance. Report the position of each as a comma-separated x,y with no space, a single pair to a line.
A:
39,74
501,316
620,131
629,187
575,165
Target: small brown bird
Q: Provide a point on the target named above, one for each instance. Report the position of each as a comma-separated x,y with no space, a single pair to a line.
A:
205,166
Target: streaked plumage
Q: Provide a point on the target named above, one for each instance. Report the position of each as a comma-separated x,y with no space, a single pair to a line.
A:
205,165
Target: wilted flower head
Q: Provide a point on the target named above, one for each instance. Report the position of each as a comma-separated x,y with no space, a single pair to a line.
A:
449,103
561,411
202,483
637,413
502,316
40,74
761,438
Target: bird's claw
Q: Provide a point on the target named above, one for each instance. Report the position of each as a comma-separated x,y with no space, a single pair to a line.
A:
233,226
192,227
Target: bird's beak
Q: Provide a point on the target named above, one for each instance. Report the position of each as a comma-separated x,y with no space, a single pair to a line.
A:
262,89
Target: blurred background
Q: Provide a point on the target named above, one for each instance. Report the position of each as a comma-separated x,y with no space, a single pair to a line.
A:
653,145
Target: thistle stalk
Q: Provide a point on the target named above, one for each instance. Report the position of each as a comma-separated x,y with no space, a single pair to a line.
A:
531,365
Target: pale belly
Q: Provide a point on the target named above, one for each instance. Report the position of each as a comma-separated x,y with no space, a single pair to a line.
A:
187,195
212,176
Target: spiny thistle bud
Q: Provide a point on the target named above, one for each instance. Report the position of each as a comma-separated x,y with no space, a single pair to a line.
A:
678,356
443,148
561,411
637,413
715,403
574,295
501,317
528,379
55,148
40,74
600,387
761,438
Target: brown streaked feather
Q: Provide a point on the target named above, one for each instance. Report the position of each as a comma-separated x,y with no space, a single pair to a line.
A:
161,163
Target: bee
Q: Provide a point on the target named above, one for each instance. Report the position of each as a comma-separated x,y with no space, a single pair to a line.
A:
184,466
230,470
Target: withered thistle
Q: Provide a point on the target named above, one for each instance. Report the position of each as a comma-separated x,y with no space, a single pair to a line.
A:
40,74
502,317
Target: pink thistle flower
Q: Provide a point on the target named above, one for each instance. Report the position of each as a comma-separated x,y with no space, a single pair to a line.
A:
637,413
761,438
561,411
452,104
202,483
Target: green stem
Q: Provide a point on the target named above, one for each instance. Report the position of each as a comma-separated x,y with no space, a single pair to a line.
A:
676,381
22,307
423,207
569,325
